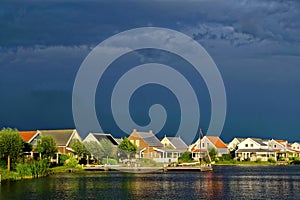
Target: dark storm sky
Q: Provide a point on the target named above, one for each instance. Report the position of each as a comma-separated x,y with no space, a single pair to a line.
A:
255,44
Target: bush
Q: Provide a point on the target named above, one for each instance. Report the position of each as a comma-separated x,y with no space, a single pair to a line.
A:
71,162
63,158
34,168
110,161
258,160
226,157
40,167
271,160
3,163
23,170
185,157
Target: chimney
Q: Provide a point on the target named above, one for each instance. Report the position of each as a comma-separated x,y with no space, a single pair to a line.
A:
151,132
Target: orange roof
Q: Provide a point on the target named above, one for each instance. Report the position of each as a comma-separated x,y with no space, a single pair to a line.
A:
27,135
217,141
280,141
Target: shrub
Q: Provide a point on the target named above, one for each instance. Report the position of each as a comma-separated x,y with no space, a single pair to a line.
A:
63,158
258,160
271,160
226,157
71,162
34,168
185,157
23,170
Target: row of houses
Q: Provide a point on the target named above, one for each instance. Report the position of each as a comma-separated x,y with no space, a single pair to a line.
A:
168,149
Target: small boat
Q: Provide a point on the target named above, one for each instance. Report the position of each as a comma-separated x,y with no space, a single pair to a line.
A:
204,167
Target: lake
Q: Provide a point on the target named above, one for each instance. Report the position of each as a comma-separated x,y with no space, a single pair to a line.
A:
225,182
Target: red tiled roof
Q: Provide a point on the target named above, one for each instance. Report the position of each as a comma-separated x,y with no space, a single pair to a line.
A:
217,141
27,135
280,141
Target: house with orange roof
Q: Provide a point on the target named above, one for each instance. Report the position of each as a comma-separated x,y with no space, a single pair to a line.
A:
29,136
282,149
207,143
296,148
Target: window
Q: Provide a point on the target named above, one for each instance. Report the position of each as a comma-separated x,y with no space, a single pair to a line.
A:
251,145
137,142
275,146
202,144
132,141
207,145
246,145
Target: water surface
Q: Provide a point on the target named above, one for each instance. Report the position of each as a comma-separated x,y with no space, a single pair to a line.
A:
225,182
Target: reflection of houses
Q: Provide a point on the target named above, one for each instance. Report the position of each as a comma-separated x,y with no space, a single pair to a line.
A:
148,144
253,149
207,143
232,146
63,139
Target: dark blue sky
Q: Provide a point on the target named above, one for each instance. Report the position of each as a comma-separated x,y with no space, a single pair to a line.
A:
255,44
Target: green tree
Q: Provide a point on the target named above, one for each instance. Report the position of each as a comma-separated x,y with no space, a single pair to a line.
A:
107,148
46,145
79,149
27,147
11,145
213,153
95,149
127,147
185,157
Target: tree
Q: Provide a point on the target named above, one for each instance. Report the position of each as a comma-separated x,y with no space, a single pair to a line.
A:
213,153
79,148
103,148
185,157
107,147
46,145
127,147
27,147
11,144
94,148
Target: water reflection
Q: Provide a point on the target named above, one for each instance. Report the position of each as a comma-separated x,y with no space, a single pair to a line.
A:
222,183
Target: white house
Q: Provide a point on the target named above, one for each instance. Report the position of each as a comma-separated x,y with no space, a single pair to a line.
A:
253,149
234,142
296,148
207,143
